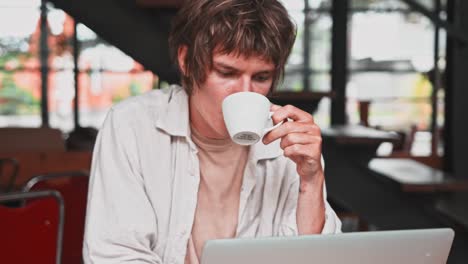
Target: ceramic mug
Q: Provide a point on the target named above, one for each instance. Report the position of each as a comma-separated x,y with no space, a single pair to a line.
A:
247,117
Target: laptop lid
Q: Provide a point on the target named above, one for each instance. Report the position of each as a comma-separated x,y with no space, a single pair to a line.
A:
428,246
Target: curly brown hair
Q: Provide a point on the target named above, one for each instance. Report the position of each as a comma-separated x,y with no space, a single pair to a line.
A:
242,27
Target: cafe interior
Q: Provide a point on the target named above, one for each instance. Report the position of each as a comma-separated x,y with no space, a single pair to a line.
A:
386,80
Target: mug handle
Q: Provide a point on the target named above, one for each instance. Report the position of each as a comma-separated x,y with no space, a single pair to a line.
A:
266,130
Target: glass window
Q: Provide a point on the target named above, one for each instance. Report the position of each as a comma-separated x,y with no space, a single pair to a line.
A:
293,5
399,110
293,80
392,37
322,114
391,60
377,4
61,85
311,74
320,81
392,5
19,63
320,4
320,44
107,76
296,58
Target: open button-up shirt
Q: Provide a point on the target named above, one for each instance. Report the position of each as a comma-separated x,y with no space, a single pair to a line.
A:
144,184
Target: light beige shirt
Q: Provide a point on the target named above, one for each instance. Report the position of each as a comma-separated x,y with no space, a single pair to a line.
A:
144,183
222,165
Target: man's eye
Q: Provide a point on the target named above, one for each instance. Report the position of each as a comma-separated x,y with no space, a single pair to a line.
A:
226,74
262,78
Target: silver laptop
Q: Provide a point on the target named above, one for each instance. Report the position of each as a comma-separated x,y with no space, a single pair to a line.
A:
428,246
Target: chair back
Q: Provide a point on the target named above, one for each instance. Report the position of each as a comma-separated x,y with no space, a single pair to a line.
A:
73,186
9,168
16,139
31,233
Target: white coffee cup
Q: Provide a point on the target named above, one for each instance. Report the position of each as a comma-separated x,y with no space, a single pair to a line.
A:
247,115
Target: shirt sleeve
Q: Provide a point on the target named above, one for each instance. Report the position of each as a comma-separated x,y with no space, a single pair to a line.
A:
288,227
332,223
120,223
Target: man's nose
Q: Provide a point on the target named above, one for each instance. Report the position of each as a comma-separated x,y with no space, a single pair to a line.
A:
245,84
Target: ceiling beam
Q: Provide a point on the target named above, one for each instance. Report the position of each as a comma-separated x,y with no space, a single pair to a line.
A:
160,3
452,30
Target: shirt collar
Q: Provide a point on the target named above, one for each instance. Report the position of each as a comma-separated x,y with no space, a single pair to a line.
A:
174,120
173,116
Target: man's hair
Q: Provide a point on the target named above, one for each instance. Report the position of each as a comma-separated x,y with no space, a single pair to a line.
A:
246,28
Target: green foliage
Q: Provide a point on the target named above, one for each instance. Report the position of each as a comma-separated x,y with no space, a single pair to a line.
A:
15,100
135,88
9,57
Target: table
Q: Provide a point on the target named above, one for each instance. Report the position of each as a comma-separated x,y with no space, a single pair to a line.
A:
342,143
413,176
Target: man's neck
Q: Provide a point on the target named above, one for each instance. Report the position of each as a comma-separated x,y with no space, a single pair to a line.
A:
199,123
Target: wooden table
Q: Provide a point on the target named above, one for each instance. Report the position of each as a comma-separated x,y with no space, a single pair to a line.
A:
358,135
413,176
353,143
455,207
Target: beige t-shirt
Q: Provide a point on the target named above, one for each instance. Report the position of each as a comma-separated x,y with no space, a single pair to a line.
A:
222,166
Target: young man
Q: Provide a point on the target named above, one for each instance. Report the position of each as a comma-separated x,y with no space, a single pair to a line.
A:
166,177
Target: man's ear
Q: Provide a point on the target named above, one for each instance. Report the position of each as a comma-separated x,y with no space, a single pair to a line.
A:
181,55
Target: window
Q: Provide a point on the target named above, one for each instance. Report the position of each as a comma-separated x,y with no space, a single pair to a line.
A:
106,75
391,61
308,67
61,83
20,80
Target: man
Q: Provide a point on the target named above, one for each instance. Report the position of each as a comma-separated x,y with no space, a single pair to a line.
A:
166,177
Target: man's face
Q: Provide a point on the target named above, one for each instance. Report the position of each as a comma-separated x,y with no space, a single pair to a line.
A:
230,74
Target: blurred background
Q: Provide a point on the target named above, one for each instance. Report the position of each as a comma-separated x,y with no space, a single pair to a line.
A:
385,79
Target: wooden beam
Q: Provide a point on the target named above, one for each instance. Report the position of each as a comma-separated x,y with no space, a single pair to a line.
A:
339,71
160,3
456,127
452,31
140,33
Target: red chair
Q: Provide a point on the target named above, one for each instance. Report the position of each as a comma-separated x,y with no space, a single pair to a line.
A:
8,173
31,233
73,186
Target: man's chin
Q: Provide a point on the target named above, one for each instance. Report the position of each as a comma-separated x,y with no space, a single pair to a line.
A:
214,132
223,134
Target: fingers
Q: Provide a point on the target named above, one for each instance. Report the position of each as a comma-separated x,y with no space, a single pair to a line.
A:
299,153
274,107
295,128
291,112
300,139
